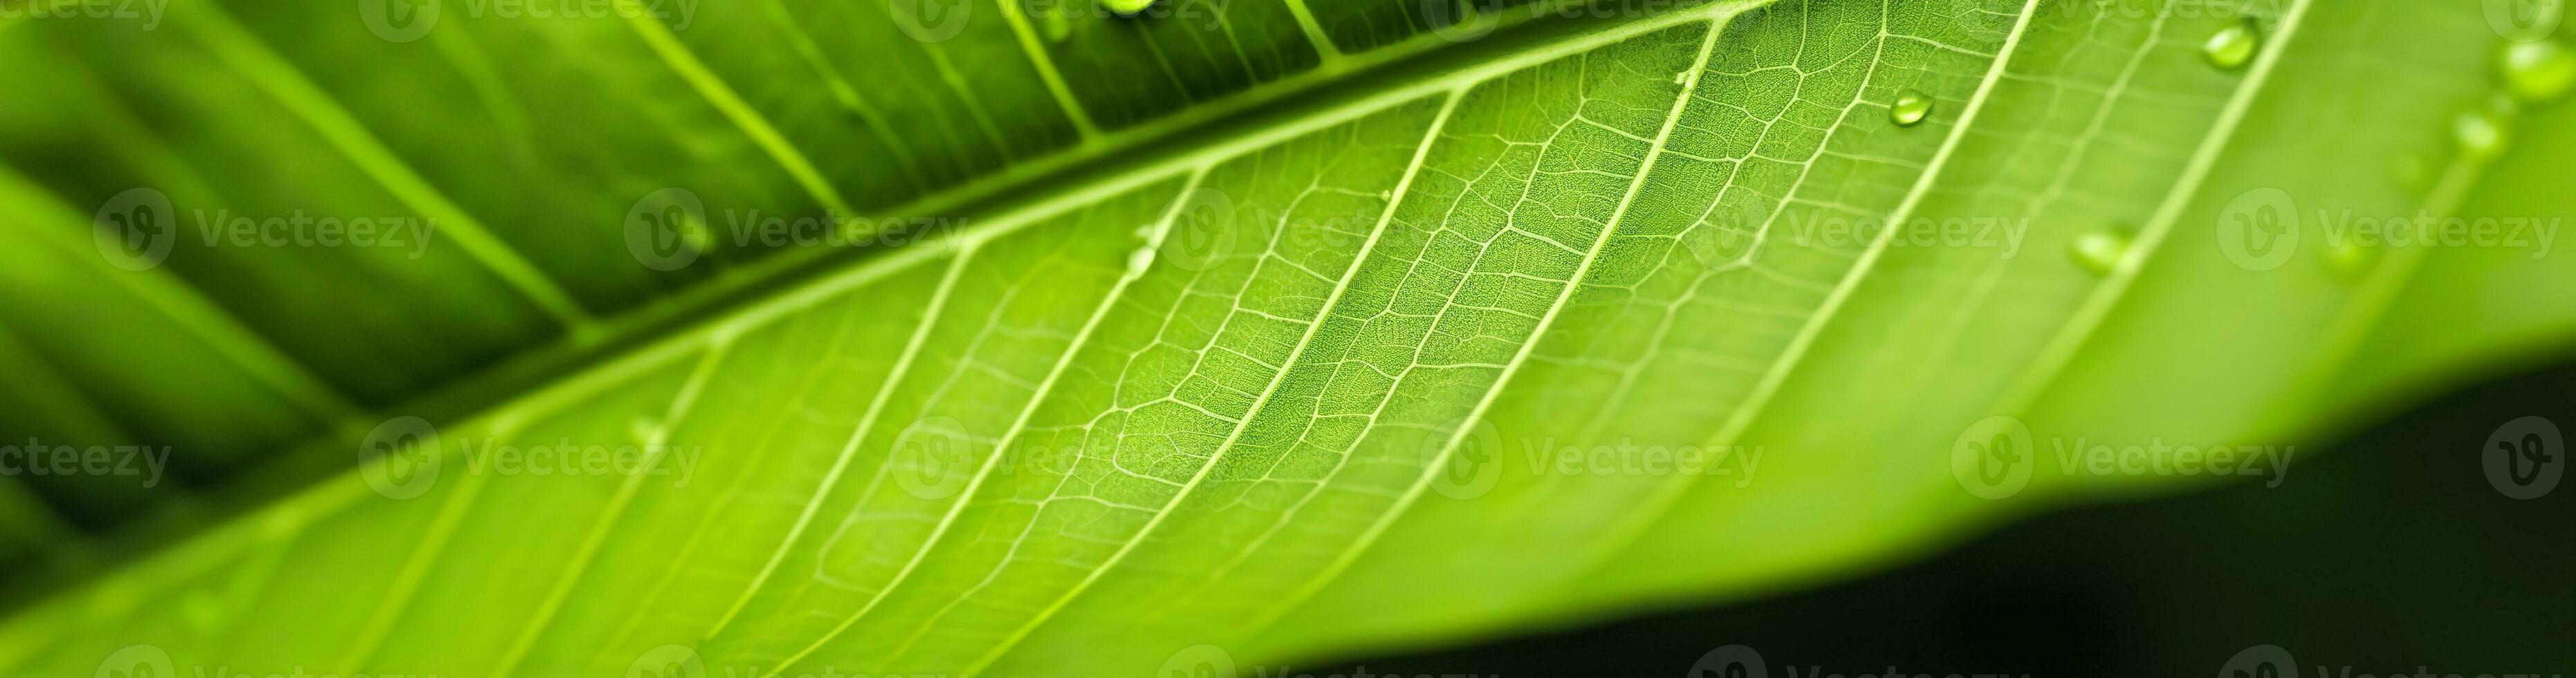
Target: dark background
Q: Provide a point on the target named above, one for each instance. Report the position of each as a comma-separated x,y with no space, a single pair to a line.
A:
2387,552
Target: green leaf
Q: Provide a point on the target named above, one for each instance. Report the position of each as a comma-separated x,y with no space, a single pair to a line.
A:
520,142
1416,357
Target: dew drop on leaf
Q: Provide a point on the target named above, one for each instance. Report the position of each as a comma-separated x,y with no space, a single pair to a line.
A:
2480,133
2232,46
1127,7
644,429
1057,27
1910,108
2349,258
2098,250
2537,72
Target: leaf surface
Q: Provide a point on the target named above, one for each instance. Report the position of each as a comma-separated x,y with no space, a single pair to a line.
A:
1420,360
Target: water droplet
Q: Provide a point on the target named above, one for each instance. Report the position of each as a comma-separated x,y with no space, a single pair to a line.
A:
2538,72
2349,257
2099,250
1910,109
2480,133
1128,7
2232,46
1058,28
644,429
1139,260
